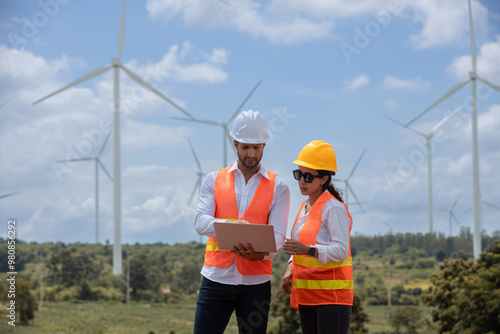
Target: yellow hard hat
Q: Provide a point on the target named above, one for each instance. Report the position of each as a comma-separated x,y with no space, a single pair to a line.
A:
317,155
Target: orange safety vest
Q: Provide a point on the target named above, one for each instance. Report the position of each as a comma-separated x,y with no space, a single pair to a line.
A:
315,283
226,208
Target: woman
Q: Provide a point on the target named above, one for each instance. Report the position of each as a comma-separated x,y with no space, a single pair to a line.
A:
320,266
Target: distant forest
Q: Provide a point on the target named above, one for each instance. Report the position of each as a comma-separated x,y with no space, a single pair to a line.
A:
167,273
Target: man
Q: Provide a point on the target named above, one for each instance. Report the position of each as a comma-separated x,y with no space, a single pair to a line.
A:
245,192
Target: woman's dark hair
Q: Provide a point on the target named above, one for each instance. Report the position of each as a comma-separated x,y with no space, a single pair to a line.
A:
328,185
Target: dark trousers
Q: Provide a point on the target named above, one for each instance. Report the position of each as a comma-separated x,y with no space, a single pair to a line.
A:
216,302
325,319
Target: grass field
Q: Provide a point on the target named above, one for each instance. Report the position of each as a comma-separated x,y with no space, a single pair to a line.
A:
101,317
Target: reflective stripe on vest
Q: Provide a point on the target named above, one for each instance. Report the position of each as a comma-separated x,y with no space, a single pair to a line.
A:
313,282
226,208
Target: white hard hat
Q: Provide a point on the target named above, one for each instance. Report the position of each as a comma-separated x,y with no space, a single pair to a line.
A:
250,127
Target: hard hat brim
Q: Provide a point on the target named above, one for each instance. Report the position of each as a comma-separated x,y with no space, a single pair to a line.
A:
308,165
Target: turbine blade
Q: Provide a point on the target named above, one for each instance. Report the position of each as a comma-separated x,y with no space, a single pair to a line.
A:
444,97
7,101
196,186
196,120
121,37
472,40
11,194
82,79
195,157
466,211
105,170
493,206
455,203
445,119
357,163
402,125
137,79
74,160
243,103
228,136
492,85
355,197
104,144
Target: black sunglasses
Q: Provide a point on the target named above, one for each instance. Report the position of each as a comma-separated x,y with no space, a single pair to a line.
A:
308,177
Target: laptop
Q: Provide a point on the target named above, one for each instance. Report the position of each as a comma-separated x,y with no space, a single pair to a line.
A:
260,237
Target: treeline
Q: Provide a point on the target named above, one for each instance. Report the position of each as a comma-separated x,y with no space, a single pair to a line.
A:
429,244
171,273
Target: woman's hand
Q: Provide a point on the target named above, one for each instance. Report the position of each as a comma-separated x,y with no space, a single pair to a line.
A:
285,282
295,247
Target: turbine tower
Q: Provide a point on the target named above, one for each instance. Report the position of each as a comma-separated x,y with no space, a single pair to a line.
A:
451,215
98,164
428,137
200,174
224,125
475,155
116,66
348,186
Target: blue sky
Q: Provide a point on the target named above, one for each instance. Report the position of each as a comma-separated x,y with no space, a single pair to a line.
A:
329,71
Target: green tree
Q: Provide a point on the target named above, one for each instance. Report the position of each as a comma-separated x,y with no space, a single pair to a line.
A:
359,317
25,302
289,322
187,280
411,319
467,295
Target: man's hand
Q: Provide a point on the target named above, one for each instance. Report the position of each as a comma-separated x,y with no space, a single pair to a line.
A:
285,282
238,221
248,253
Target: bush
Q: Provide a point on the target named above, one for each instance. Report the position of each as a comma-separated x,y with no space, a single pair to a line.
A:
409,318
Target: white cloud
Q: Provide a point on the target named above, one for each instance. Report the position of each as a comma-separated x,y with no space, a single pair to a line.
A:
246,16
137,135
175,65
488,63
357,82
295,21
444,22
393,83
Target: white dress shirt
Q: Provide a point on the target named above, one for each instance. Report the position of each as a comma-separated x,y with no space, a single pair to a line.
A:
278,218
333,236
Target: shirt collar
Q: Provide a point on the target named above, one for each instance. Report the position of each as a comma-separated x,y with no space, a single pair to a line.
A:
262,170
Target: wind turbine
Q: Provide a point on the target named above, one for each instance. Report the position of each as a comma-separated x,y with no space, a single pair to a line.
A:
348,186
475,155
116,66
483,202
200,173
389,263
391,226
428,137
10,194
451,215
98,164
224,125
